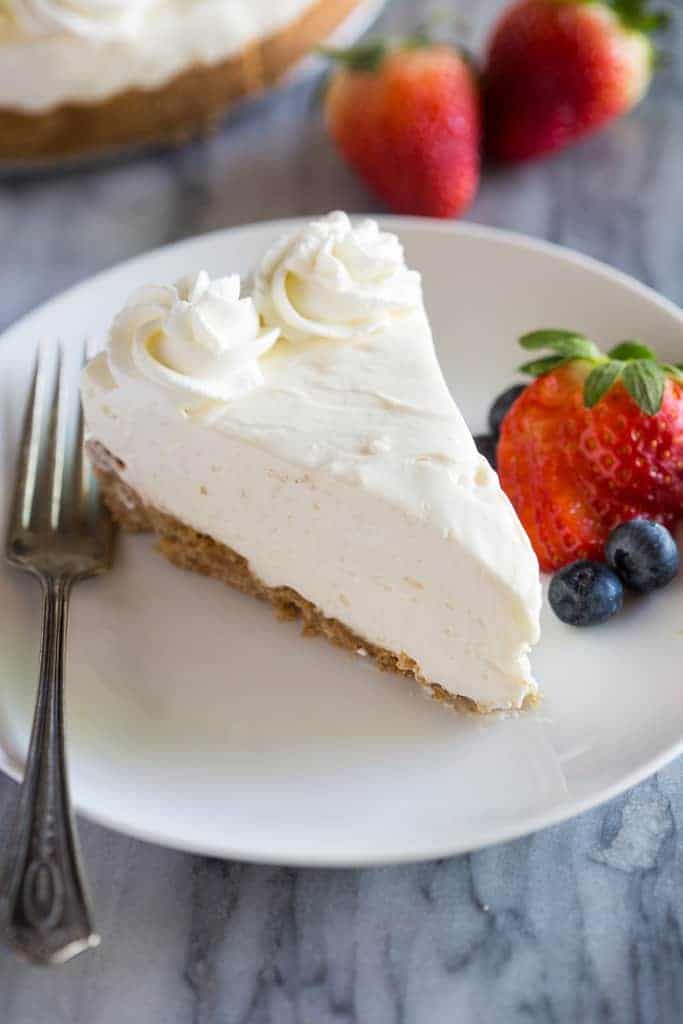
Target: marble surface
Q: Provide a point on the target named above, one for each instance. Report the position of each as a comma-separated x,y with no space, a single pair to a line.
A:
579,923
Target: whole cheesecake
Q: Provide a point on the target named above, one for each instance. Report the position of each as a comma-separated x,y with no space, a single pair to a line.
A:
300,443
82,76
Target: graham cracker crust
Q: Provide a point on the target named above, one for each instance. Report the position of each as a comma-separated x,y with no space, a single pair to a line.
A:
190,104
189,549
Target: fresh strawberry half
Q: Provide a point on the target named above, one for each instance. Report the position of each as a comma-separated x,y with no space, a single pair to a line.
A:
406,117
559,69
594,441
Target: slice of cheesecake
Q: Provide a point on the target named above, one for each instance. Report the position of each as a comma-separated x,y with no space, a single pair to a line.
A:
302,445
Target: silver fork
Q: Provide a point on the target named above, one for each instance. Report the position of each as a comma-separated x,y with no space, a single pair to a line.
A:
61,533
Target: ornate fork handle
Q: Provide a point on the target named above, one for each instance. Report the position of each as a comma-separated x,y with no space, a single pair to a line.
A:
46,907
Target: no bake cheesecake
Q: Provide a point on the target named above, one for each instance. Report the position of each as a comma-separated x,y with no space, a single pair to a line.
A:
300,443
82,76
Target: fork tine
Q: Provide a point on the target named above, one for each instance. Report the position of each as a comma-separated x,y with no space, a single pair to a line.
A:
58,527
54,469
90,501
83,475
29,449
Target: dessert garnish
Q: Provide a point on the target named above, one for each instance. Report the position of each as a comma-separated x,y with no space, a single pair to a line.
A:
596,440
585,593
591,456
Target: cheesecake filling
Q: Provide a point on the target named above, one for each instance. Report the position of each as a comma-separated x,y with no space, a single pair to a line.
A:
345,470
90,19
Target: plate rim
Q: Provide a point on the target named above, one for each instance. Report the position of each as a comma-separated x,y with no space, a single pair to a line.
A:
487,838
393,222
526,824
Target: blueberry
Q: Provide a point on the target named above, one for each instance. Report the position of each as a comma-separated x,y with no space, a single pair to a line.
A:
502,406
643,554
585,593
486,446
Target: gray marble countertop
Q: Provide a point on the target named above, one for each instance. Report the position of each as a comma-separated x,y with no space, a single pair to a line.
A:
579,923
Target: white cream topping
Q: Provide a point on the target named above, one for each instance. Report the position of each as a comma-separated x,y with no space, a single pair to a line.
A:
335,280
350,475
197,339
58,51
96,19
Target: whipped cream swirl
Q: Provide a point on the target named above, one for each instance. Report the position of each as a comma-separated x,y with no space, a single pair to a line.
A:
197,338
99,19
334,280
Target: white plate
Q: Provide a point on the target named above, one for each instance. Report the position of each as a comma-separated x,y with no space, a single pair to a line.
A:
199,721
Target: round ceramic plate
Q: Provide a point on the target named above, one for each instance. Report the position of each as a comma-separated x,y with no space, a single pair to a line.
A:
197,720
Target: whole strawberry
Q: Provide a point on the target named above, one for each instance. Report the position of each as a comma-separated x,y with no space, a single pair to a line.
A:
593,442
406,117
559,69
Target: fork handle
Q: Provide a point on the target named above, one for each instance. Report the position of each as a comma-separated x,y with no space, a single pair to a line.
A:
46,908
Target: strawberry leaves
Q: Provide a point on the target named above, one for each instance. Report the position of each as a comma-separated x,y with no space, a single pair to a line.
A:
636,365
638,16
631,350
537,367
631,362
599,381
568,345
365,56
644,379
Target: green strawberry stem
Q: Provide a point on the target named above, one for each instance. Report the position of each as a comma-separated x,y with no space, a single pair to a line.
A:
366,56
369,54
637,15
630,362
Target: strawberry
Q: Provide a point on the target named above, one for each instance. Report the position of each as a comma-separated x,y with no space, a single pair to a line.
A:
559,69
406,117
594,441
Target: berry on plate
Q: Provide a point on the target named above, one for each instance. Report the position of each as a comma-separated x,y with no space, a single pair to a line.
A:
406,117
593,442
643,554
557,70
585,593
486,446
502,406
